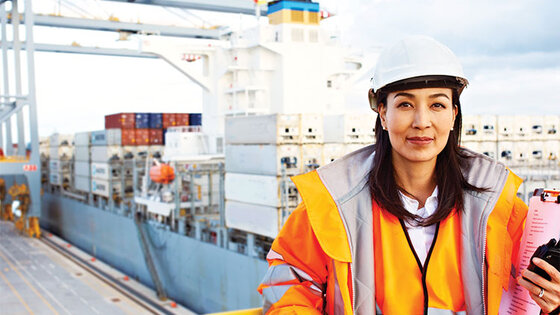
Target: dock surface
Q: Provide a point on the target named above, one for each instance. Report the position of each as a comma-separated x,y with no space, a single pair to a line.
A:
35,278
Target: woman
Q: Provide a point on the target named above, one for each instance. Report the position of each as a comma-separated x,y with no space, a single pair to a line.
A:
412,225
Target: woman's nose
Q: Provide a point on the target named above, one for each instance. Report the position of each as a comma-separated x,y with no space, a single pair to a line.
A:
421,118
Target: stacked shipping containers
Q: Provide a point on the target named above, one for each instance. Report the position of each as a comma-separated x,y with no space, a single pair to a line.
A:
82,161
61,151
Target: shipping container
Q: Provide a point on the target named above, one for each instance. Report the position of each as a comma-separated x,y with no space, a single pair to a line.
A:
263,129
142,137
471,129
82,139
523,152
312,128
183,144
156,120
332,151
82,183
311,157
104,171
471,145
506,152
59,166
61,153
120,121
257,219
536,128
156,136
551,153
59,179
107,137
128,137
104,154
488,128
142,121
537,155
551,127
260,189
81,168
263,159
522,128
56,140
195,119
81,153
182,119
169,120
349,128
489,148
101,187
506,128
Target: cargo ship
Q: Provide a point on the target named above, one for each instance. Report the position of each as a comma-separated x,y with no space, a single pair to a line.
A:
200,233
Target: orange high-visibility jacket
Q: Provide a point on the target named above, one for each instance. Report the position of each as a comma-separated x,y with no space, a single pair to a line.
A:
323,260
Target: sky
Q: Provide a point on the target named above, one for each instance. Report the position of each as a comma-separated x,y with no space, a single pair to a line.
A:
510,51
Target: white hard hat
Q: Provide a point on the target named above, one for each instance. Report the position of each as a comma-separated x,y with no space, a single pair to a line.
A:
416,57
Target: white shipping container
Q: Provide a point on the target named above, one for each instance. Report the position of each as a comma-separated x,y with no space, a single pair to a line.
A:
311,157
489,148
261,220
312,128
349,128
59,179
506,152
523,128
263,129
104,171
258,189
56,140
81,153
183,144
82,138
106,153
471,145
351,147
536,128
536,156
471,129
263,159
59,166
61,153
551,152
523,152
81,168
107,137
506,128
82,183
101,187
488,128
332,151
551,127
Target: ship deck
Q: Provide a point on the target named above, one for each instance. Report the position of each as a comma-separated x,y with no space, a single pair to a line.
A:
50,276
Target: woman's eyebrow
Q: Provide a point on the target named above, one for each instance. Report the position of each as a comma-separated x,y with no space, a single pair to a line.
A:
405,95
439,95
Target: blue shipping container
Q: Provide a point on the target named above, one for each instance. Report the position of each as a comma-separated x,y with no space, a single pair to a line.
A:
195,119
142,120
156,120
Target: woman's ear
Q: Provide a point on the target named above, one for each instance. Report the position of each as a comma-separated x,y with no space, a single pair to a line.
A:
382,111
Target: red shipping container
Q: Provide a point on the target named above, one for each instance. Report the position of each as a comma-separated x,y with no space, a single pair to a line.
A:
142,136
182,119
169,120
128,137
120,121
156,136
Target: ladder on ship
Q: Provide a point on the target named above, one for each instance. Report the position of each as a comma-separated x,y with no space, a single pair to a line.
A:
144,244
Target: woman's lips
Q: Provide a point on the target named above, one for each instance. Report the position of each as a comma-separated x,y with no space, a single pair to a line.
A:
420,140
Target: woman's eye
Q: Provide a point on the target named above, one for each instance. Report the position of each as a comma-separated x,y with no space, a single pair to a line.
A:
404,105
438,105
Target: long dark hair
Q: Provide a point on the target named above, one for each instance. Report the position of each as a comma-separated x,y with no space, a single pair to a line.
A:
449,177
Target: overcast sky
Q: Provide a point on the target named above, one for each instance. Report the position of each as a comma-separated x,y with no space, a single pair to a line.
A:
510,51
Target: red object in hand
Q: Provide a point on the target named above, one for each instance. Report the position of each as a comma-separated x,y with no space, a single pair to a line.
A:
162,173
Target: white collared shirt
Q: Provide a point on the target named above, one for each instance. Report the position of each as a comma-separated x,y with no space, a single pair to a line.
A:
420,236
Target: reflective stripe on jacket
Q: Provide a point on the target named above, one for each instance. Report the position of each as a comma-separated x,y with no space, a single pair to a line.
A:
322,261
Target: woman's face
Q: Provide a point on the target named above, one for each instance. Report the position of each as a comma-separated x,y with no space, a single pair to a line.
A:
418,122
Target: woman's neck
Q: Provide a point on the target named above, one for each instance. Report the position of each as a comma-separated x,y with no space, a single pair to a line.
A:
417,179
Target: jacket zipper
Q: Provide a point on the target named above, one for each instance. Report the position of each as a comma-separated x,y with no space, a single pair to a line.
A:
423,268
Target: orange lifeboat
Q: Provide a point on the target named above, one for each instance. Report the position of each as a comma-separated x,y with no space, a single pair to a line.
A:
162,173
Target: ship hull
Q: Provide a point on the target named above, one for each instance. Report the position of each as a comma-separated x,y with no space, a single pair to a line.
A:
199,275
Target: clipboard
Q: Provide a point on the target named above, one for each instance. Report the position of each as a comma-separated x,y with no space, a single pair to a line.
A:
542,224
